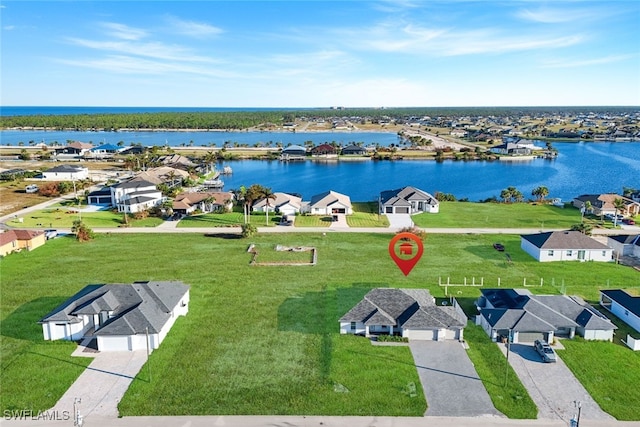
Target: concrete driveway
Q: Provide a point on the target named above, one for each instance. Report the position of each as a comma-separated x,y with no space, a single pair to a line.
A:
449,380
400,220
103,383
552,386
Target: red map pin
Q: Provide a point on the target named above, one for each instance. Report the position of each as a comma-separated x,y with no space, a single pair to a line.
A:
407,255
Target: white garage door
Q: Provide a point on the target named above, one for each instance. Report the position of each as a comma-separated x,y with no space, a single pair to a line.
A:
113,343
425,335
452,334
402,210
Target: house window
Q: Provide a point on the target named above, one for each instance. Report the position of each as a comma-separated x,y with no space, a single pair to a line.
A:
550,253
569,253
604,253
353,326
626,312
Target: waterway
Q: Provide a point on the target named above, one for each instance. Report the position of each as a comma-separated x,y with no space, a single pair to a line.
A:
580,168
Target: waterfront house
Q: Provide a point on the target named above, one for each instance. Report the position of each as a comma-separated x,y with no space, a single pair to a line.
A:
284,204
324,150
75,149
524,317
410,313
293,152
329,203
212,201
354,150
120,317
603,204
17,240
512,149
407,200
135,195
66,173
565,246
625,306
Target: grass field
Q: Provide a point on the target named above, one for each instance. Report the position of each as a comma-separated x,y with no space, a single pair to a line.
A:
264,340
498,215
365,214
63,217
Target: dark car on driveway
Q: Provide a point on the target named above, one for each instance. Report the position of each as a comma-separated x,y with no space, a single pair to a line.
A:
545,351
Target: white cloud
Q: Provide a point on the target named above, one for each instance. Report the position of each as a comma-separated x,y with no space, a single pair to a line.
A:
192,28
573,63
9,27
124,32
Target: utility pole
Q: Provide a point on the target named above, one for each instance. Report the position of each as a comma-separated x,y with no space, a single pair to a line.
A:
575,422
148,352
506,366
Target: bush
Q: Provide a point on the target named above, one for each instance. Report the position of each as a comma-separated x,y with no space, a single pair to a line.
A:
414,230
83,233
392,338
249,230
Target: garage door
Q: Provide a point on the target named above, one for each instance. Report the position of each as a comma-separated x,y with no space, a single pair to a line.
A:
531,336
452,334
425,335
402,210
117,343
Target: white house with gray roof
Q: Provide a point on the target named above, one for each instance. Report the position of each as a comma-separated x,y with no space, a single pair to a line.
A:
328,203
623,305
527,317
407,200
119,316
411,313
565,246
66,173
135,195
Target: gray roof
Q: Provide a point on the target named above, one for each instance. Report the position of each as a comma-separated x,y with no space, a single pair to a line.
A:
563,240
66,169
518,309
392,197
135,183
408,308
134,307
626,239
629,302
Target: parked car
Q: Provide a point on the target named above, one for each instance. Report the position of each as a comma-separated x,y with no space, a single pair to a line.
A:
31,188
628,221
50,233
545,351
498,247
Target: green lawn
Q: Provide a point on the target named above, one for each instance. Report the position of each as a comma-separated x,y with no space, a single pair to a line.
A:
261,340
312,221
365,214
228,219
498,215
63,217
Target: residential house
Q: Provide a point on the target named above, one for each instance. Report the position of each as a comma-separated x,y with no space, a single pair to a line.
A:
135,195
120,317
75,148
170,176
407,200
329,203
625,244
565,246
212,201
602,204
411,313
324,150
101,197
17,240
66,173
285,204
459,133
293,152
626,307
511,149
176,161
354,150
525,317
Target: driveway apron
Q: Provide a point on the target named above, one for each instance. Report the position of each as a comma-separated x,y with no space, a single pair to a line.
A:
552,386
450,382
103,383
399,220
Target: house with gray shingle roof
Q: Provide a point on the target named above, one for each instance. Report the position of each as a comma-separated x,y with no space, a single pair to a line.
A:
623,305
527,317
328,203
625,244
411,313
407,200
565,246
120,317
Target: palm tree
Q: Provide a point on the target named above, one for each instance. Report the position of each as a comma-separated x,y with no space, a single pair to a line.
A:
241,197
208,203
619,206
586,207
540,192
268,195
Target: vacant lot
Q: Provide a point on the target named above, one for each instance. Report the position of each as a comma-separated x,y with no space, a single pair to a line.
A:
262,340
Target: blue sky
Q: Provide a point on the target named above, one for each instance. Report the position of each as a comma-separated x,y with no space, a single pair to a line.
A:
320,53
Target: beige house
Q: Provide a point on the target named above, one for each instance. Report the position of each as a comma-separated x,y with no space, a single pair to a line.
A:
17,240
602,204
186,203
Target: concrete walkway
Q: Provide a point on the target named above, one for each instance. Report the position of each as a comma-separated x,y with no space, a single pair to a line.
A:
451,384
103,383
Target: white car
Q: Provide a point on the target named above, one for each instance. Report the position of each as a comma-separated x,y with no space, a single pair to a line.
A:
31,188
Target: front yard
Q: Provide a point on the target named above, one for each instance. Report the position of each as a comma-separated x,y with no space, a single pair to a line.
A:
264,340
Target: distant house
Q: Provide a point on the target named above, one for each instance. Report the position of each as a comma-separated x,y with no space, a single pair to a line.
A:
407,200
186,203
293,152
460,133
176,161
411,313
565,246
101,197
511,149
354,150
602,204
120,317
285,204
625,244
75,148
329,203
626,307
324,150
17,240
525,317
168,175
66,173
135,195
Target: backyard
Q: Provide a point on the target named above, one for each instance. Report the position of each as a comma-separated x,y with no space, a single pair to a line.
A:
264,340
